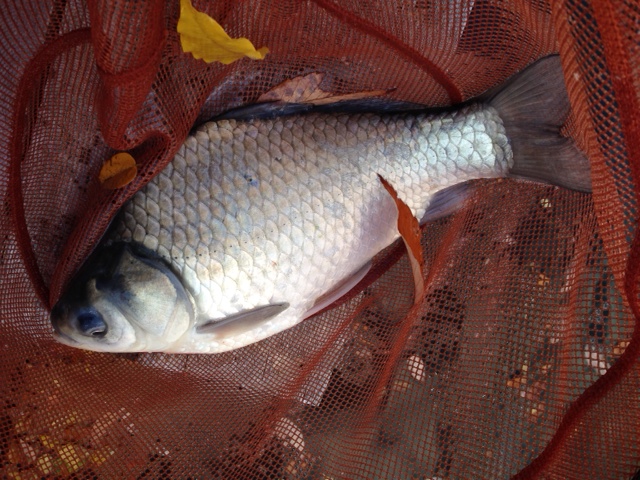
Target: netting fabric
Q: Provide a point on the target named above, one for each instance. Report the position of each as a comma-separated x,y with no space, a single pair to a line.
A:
521,360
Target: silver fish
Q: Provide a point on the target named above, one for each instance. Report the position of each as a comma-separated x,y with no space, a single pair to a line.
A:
256,225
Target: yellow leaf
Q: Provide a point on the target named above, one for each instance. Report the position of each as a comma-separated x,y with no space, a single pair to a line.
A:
205,39
118,171
409,229
307,89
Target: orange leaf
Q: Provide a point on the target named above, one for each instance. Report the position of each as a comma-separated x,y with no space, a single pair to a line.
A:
307,90
409,229
118,171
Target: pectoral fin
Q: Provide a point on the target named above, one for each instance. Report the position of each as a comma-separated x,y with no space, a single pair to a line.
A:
241,322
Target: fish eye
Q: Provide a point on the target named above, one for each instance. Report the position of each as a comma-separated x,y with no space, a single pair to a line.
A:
91,324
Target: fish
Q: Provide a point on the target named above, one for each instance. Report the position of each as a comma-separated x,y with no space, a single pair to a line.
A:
258,223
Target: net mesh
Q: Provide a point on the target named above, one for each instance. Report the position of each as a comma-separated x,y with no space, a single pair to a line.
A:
521,360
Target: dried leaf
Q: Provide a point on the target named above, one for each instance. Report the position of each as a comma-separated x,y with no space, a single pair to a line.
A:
289,433
307,89
536,411
416,367
596,358
620,347
543,280
72,456
350,96
296,90
517,381
118,171
45,464
519,378
98,457
409,229
205,39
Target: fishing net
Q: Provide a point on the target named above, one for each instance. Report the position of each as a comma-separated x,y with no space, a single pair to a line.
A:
520,360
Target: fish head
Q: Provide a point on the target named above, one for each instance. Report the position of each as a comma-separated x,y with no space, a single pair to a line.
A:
125,298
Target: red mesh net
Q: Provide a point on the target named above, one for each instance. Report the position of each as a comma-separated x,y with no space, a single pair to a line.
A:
520,361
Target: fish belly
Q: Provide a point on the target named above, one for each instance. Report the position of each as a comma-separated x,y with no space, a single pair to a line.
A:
282,210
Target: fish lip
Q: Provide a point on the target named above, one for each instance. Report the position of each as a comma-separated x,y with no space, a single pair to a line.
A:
63,337
56,313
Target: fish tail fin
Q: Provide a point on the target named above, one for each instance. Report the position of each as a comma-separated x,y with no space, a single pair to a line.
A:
534,105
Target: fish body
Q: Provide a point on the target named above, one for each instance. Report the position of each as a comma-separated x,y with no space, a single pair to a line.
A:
253,223
281,210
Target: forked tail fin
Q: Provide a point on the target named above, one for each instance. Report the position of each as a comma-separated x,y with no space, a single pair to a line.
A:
533,105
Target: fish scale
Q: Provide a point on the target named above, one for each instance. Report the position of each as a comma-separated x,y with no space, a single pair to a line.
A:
281,210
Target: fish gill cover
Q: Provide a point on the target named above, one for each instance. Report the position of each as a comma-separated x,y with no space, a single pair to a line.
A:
520,359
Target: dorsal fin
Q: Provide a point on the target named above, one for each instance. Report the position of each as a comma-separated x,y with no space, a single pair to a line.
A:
280,109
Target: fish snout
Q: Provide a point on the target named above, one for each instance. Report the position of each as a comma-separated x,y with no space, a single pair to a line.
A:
84,320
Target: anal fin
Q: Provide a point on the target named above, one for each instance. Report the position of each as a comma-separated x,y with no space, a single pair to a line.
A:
447,202
339,291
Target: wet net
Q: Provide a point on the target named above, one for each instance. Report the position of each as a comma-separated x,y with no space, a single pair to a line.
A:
521,360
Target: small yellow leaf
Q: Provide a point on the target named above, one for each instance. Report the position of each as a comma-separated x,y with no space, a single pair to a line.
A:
205,39
307,89
118,171
409,229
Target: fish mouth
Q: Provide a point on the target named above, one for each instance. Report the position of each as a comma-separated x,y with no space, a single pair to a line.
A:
59,334
62,337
